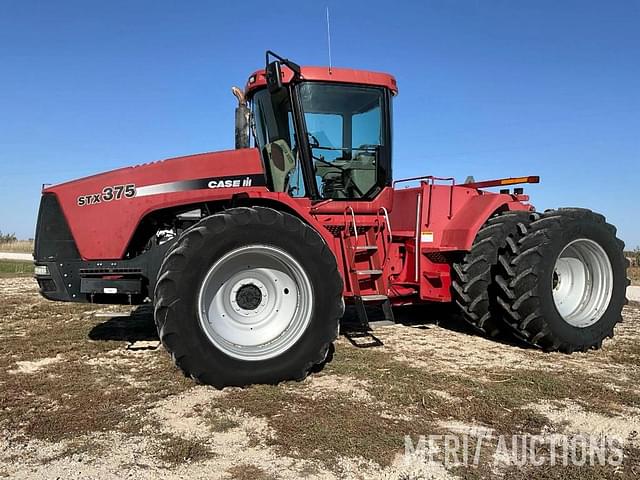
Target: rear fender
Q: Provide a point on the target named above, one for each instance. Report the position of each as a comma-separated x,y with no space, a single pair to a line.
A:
461,231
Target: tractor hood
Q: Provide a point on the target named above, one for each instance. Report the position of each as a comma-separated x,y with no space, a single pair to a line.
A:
103,210
166,176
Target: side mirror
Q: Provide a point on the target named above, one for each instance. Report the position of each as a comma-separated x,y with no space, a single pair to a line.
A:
274,76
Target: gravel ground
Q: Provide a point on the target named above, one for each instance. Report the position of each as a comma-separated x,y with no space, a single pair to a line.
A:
87,392
16,256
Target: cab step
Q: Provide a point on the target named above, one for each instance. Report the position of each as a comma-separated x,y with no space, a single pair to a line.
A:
366,248
374,298
363,330
368,272
381,323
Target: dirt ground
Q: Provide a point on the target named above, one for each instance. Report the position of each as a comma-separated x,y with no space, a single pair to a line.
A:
85,393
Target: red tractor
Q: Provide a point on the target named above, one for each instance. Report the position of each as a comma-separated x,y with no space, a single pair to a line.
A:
249,256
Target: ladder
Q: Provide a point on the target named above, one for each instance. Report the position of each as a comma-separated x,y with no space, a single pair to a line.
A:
366,250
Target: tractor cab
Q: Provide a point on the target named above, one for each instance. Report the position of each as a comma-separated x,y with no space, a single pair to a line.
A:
322,134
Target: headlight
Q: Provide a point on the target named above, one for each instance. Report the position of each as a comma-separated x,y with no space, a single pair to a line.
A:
41,270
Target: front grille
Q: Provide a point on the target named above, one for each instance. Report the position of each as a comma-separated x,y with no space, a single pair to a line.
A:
110,271
53,237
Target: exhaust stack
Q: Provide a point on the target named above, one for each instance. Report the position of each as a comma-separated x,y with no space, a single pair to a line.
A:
242,119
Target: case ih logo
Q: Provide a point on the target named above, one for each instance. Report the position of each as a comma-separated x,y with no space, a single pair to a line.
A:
245,182
118,192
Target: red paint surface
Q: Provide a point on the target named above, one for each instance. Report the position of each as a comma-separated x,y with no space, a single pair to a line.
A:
451,214
341,75
103,231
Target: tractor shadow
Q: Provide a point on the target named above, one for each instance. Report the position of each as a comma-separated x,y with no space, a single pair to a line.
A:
421,317
138,326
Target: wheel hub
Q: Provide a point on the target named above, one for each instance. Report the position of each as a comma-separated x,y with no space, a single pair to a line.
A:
582,283
248,297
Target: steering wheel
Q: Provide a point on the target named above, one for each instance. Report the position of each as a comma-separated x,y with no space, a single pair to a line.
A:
315,143
343,171
329,164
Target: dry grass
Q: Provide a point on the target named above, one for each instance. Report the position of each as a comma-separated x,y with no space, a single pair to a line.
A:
15,268
325,428
634,275
219,422
19,246
248,472
75,386
74,396
176,450
629,470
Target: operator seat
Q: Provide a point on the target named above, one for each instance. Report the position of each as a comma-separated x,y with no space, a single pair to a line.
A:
281,163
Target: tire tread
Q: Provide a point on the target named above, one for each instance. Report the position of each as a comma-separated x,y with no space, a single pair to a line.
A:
519,279
174,263
473,277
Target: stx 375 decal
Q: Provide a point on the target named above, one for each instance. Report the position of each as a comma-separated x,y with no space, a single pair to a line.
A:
118,192
115,192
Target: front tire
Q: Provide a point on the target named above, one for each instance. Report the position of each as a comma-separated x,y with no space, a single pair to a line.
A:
250,295
563,284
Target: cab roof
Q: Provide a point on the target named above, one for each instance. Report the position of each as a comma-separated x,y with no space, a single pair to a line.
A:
341,75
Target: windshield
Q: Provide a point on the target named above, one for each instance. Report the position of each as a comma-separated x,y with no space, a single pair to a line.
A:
345,129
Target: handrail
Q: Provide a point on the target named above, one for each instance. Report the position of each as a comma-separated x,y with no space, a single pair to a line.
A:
316,206
387,245
417,239
353,216
386,219
424,177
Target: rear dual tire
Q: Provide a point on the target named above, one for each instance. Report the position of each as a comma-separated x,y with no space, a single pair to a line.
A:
473,277
562,284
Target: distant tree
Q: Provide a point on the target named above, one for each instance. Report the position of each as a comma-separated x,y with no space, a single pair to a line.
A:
7,237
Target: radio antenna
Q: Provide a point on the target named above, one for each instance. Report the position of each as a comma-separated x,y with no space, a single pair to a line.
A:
329,38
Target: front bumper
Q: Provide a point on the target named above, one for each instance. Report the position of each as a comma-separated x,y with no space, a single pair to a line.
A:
94,282
63,276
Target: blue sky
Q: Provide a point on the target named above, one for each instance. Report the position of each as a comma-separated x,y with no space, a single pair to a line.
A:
487,88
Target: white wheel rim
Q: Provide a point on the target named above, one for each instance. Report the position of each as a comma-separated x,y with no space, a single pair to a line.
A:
582,283
255,302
